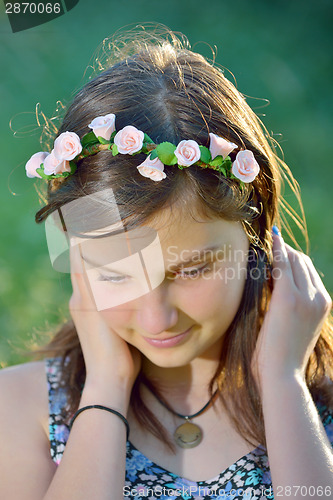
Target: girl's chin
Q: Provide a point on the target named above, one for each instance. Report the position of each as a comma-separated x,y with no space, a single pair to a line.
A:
166,363
168,359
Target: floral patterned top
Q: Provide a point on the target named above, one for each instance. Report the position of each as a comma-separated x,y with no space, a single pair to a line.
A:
247,479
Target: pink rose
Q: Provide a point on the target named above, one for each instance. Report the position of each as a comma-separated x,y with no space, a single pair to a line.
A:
187,153
129,140
67,146
219,146
152,169
34,163
103,126
52,165
245,166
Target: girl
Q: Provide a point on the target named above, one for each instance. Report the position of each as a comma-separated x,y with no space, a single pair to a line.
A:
195,331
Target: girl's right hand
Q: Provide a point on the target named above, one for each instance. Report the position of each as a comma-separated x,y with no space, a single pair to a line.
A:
108,358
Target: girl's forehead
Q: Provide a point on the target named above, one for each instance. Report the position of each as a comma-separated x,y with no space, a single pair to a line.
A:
103,237
181,227
179,239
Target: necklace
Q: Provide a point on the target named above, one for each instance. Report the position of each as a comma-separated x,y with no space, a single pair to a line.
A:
187,435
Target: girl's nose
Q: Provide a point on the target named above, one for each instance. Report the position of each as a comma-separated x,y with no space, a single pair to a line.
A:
156,312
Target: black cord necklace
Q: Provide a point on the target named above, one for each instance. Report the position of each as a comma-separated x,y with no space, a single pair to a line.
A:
187,435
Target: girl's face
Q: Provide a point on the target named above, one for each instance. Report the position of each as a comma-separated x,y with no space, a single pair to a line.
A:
175,299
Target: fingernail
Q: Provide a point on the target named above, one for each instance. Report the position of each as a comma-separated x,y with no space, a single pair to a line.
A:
276,231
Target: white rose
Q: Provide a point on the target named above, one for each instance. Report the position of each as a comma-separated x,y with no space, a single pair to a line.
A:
129,140
34,163
245,166
219,146
152,169
67,146
187,153
103,126
52,165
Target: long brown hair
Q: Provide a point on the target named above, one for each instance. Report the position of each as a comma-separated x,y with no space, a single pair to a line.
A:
163,88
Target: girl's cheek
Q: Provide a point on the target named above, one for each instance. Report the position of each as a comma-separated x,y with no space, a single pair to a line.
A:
223,287
221,280
196,297
119,316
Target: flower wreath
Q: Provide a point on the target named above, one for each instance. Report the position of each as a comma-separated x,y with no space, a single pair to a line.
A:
69,149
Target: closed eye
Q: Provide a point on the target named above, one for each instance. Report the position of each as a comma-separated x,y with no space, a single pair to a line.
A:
113,278
189,273
186,273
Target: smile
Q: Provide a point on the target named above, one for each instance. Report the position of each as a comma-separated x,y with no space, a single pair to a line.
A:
168,342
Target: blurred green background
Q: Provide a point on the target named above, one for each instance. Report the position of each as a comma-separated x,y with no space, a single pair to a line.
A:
279,51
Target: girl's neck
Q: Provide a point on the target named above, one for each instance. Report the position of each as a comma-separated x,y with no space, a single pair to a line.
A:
193,378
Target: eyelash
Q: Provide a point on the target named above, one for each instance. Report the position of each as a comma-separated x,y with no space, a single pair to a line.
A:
113,279
193,273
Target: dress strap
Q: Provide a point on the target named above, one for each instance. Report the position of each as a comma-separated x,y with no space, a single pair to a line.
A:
58,429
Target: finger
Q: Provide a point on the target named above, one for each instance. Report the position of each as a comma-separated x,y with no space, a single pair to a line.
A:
308,281
300,270
75,266
311,272
76,262
315,278
84,298
281,265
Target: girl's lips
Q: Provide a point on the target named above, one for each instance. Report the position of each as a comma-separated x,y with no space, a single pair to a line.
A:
169,342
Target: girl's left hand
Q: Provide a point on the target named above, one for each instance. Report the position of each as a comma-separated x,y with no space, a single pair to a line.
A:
298,308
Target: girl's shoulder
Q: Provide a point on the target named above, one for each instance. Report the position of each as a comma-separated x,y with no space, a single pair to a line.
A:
24,451
23,375
24,391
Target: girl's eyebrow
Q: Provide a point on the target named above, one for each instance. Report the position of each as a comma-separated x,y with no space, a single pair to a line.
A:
90,262
197,255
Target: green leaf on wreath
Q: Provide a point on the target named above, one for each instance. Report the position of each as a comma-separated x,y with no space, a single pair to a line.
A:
148,139
89,138
63,174
217,162
73,167
114,149
205,155
102,140
227,163
153,154
166,153
223,170
40,171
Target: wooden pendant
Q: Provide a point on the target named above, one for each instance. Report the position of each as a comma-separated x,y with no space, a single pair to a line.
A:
188,435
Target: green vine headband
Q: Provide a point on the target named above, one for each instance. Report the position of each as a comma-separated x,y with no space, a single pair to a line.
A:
69,149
